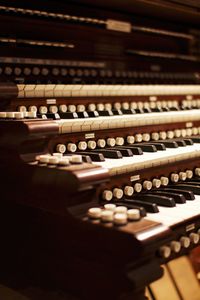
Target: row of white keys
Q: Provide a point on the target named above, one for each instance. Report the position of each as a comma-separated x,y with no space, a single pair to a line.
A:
170,216
149,159
74,90
90,124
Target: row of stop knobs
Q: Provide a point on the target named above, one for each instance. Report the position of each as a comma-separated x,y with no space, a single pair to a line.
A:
128,190
184,242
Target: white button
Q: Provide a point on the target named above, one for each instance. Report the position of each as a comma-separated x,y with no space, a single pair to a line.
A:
91,107
94,212
117,193
100,106
174,177
194,238
147,185
110,206
107,195
121,209
101,143
71,147
183,132
155,136
133,214
80,108
170,134
165,251
189,131
130,139
43,110
125,105
137,187
163,135
111,142
63,108
156,183
53,160
175,246
189,174
182,176
164,180
117,105
82,145
138,138
59,155
177,133
22,108
146,137
194,131
61,148
107,216
43,159
63,161
72,108
197,171
75,159
119,141
53,109
128,190
120,219
185,241
108,106
133,105
91,144
32,108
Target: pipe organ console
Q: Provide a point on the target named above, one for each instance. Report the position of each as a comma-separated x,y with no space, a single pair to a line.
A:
100,142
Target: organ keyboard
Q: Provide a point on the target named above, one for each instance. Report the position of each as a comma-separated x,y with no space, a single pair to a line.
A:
103,125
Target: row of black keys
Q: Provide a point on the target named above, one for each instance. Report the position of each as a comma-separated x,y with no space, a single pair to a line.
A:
104,113
135,149
166,196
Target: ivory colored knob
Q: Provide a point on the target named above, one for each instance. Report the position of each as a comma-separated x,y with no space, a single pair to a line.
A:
43,110
71,147
130,139
155,136
91,144
189,174
147,185
182,176
117,193
107,195
82,145
119,141
185,241
156,183
137,187
128,190
101,143
61,148
138,138
110,206
194,237
165,251
63,108
175,246
164,180
174,177
53,109
111,142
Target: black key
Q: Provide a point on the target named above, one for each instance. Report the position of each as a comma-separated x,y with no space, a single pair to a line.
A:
109,153
188,186
41,116
157,109
195,179
68,115
135,150
94,156
159,200
168,144
124,152
139,110
165,109
195,139
128,111
53,116
181,143
147,110
150,207
117,112
189,195
178,198
82,114
158,146
142,210
188,142
86,158
105,113
93,114
147,147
